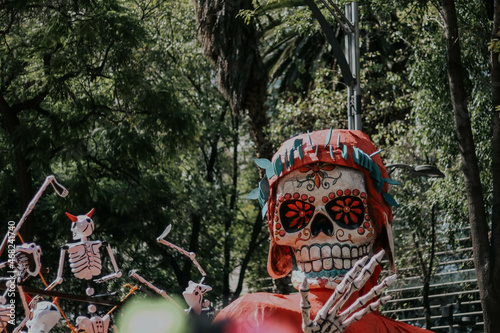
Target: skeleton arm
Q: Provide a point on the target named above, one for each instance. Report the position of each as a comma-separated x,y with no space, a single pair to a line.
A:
328,318
58,188
161,292
117,273
190,255
27,311
59,278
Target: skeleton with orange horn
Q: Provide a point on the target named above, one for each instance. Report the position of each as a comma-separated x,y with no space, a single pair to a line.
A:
84,256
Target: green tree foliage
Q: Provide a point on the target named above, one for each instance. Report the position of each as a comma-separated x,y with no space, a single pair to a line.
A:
116,99
406,101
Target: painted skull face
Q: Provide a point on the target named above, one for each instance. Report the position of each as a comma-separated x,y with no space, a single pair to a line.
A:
322,215
82,225
27,260
45,316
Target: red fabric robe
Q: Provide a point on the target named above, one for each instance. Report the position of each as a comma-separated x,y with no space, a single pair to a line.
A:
275,313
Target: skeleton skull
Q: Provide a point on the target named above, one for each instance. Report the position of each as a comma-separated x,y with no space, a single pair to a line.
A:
321,214
45,316
327,206
82,225
27,260
193,295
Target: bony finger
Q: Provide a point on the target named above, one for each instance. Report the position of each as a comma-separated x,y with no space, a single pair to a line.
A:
377,258
304,286
388,281
370,308
363,300
305,306
369,268
360,280
346,281
385,299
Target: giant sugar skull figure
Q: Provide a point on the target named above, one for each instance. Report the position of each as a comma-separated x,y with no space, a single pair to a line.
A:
327,209
329,216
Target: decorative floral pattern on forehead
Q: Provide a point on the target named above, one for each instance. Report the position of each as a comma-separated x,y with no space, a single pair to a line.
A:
318,176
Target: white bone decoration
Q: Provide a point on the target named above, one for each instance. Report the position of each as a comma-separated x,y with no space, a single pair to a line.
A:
95,324
84,256
26,263
45,317
193,294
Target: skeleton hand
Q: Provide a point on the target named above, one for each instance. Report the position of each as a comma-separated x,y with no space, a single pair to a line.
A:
109,277
57,281
329,319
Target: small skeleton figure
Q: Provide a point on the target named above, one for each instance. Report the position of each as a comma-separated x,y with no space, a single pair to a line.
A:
26,259
193,295
95,324
26,263
84,256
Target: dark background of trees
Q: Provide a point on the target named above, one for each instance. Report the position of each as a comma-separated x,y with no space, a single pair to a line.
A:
151,112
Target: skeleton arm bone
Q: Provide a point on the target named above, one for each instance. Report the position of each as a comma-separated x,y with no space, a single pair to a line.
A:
190,255
328,319
60,190
161,292
59,278
117,273
27,311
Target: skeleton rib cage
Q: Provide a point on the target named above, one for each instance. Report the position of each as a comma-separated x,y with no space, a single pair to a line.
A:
85,259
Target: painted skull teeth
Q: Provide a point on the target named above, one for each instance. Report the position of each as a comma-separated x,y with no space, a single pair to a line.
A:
326,257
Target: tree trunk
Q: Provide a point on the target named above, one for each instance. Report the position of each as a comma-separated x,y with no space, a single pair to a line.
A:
252,246
226,295
194,245
483,258
495,76
232,45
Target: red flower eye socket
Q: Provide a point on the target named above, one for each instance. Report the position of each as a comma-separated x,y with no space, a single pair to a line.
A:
295,214
347,211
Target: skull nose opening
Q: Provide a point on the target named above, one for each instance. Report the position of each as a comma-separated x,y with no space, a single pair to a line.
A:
321,223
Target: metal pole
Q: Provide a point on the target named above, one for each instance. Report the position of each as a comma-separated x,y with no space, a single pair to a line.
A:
349,58
450,318
357,67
